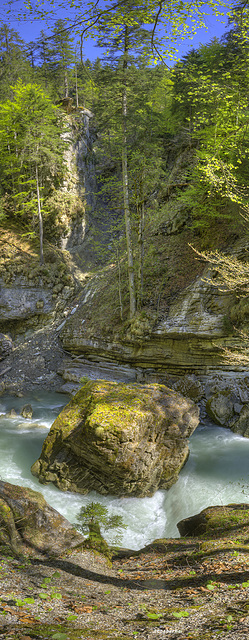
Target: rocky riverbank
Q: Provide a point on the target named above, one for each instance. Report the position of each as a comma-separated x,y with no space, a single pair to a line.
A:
187,588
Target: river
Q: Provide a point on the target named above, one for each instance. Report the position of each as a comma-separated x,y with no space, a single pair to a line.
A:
217,472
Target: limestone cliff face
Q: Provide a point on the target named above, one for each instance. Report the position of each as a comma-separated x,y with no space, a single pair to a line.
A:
79,181
28,291
21,300
118,439
184,334
33,298
188,339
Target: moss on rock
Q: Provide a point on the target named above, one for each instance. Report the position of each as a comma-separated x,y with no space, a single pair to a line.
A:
27,521
218,522
119,439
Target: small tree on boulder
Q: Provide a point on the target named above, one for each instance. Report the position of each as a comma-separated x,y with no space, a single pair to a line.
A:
94,517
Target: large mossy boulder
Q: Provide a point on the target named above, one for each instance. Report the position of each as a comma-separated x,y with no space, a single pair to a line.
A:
28,522
241,425
118,439
218,522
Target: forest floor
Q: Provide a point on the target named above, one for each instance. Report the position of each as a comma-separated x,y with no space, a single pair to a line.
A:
178,589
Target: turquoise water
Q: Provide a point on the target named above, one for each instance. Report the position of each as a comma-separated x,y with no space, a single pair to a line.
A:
217,472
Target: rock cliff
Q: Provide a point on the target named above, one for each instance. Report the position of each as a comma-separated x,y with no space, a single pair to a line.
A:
31,295
189,337
118,439
79,182
185,322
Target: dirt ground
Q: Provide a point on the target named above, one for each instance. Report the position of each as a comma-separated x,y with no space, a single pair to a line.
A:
172,589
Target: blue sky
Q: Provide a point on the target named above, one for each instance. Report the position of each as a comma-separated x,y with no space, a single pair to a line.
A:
30,30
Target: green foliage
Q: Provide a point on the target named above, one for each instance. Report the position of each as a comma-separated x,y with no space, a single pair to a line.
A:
197,110
59,209
144,90
212,585
31,151
170,22
22,603
62,57
210,101
94,518
14,63
153,616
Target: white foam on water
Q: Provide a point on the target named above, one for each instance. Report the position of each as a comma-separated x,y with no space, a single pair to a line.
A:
216,472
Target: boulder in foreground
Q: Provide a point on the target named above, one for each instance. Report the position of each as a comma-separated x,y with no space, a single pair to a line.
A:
217,522
118,439
27,521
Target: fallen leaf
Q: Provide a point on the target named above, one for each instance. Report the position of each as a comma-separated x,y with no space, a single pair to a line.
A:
9,610
26,619
82,609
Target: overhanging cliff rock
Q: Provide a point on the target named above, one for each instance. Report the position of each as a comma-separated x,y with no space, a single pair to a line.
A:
118,439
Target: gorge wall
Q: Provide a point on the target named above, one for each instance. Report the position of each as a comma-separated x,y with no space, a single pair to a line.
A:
184,325
188,339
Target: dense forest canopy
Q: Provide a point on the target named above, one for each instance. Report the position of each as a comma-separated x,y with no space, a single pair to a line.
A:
168,21
148,120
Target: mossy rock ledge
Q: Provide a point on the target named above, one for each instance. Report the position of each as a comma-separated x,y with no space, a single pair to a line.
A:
221,521
118,439
27,521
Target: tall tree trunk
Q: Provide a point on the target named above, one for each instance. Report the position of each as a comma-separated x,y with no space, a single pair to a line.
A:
119,285
76,87
66,83
39,214
141,244
131,276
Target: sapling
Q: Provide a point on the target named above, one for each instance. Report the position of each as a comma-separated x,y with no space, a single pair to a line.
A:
94,518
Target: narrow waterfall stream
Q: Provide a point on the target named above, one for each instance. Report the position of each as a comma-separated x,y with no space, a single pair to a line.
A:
217,472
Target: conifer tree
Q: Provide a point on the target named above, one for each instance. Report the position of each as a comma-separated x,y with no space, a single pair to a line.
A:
31,151
120,46
63,56
144,121
44,68
13,60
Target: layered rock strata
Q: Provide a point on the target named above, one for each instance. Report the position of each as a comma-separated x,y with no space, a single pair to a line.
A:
118,439
190,338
